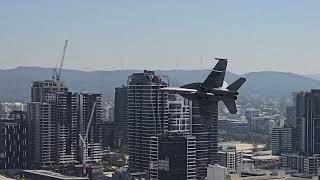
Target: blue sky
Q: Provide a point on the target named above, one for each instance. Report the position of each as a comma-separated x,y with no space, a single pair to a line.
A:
282,35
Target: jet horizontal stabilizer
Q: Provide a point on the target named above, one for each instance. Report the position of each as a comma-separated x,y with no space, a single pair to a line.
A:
235,86
231,105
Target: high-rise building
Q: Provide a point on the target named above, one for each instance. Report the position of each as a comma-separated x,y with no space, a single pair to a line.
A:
108,134
173,157
281,140
291,117
308,122
291,122
52,123
56,118
121,115
111,114
42,136
261,124
147,116
206,138
249,114
94,144
67,136
179,114
13,137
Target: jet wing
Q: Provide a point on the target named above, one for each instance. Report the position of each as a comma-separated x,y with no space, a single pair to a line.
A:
231,105
216,77
179,90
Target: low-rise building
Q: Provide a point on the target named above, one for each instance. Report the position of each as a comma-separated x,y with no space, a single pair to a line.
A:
123,174
230,158
216,172
306,165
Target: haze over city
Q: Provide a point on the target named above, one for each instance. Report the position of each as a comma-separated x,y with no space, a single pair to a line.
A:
109,35
159,90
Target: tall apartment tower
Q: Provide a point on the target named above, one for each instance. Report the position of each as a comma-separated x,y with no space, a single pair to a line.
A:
121,115
46,107
66,128
206,138
147,116
52,122
308,122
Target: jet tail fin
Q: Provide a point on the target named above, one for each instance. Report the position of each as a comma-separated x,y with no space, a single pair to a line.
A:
216,77
231,105
235,86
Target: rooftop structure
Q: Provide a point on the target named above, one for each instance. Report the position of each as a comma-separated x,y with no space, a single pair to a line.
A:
48,175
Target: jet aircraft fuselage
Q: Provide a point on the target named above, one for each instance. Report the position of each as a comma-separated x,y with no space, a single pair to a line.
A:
212,89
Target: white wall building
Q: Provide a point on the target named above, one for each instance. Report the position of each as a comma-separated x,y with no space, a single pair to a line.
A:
216,172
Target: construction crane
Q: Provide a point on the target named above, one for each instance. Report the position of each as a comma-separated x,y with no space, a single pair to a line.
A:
58,75
84,140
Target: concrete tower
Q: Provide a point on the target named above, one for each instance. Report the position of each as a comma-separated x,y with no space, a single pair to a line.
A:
147,116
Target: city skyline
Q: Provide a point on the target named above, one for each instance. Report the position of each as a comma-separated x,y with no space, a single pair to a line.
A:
152,35
141,90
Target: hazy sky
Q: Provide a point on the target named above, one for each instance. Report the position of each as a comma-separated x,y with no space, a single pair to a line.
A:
256,35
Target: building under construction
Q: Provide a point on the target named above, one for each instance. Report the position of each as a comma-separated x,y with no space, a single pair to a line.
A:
62,124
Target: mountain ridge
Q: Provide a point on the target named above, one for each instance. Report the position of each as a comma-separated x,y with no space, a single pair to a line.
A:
16,82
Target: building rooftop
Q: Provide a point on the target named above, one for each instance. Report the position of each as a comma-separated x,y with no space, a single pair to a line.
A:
268,157
5,178
55,175
272,178
108,174
241,146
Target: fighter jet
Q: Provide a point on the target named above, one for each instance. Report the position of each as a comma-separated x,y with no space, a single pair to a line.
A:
212,90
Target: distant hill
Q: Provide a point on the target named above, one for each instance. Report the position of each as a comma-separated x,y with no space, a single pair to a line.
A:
314,76
15,83
272,83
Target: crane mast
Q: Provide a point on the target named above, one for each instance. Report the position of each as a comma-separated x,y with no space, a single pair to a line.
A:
58,76
85,141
